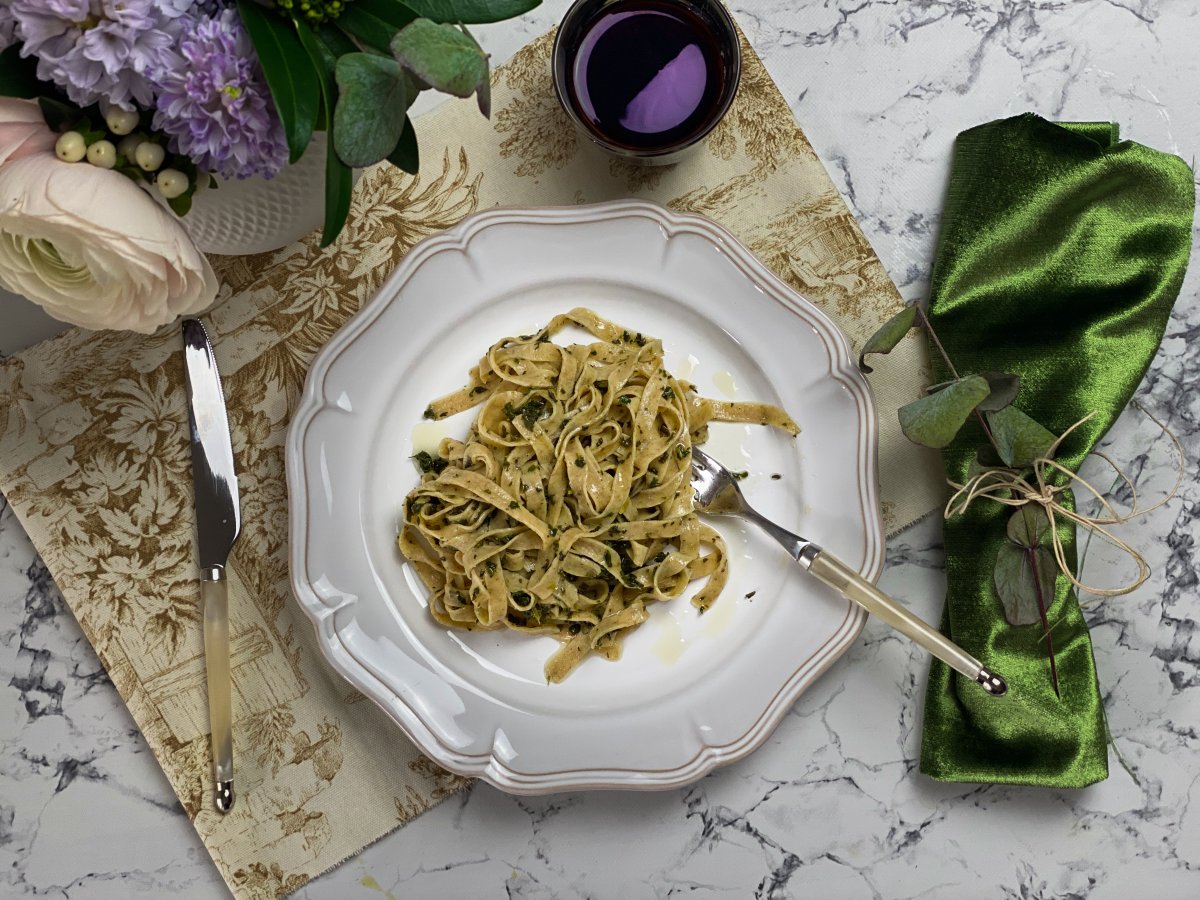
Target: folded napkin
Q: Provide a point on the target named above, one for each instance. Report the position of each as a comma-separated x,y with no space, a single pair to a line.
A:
1061,253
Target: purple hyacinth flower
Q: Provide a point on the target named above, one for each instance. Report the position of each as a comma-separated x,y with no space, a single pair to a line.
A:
99,49
214,104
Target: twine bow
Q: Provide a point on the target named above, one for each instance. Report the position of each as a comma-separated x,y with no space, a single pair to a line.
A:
1010,487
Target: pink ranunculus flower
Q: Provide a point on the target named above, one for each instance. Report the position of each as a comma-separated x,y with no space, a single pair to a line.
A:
94,249
23,131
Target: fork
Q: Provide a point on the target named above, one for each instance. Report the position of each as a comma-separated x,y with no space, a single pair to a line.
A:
717,492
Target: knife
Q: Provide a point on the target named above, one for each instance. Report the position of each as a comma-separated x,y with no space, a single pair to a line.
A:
218,521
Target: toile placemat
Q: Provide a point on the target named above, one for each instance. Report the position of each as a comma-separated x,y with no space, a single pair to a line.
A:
94,454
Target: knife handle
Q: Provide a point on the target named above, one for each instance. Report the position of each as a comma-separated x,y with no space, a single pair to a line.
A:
215,595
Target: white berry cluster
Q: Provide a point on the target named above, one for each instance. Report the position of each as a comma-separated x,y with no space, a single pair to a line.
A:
145,153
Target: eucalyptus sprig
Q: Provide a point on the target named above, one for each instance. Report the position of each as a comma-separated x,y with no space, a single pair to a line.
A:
353,68
1025,572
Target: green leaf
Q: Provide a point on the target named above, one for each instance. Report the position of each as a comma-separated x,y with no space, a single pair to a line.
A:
406,155
58,115
339,179
1004,387
1014,581
369,118
442,56
18,75
1028,526
335,42
90,134
936,419
470,12
396,13
289,71
372,30
890,334
1019,439
182,204
483,96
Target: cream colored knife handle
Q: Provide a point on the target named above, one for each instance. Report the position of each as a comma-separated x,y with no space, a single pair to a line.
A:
853,586
215,595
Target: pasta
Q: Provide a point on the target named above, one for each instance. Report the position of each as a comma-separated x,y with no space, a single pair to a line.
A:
567,511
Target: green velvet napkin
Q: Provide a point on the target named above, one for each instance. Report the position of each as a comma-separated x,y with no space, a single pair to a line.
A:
1062,250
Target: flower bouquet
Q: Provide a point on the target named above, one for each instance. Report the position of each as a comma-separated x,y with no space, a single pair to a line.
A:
114,114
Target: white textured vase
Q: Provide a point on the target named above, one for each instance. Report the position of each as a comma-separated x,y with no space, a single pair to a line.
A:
255,215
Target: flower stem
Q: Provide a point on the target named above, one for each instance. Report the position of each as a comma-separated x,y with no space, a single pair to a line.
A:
1031,556
928,326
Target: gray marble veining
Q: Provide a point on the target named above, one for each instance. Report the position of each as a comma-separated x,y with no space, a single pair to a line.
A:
832,806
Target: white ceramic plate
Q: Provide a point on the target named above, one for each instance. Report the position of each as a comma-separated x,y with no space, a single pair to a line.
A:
690,692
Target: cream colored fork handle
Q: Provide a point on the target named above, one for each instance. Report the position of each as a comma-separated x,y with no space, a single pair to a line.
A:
847,582
215,596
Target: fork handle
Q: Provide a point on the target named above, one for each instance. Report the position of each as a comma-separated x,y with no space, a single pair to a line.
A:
847,582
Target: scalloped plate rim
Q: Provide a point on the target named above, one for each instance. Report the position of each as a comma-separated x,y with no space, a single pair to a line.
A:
488,766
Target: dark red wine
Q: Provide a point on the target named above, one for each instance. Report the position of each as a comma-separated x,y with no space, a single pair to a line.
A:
646,74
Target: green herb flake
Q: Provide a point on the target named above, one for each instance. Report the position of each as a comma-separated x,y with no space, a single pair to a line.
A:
740,475
625,399
682,452
579,463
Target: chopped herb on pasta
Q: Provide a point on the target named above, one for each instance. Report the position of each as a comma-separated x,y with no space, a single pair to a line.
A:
568,509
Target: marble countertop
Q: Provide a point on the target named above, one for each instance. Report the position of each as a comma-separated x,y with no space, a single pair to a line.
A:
833,805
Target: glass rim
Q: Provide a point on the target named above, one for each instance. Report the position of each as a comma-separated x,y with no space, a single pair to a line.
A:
728,34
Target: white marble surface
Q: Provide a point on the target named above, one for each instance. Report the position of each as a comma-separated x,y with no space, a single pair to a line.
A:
833,805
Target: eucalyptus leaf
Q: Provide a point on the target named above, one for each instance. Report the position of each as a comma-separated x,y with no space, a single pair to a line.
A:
1028,526
934,420
290,75
369,117
1004,387
890,334
413,85
470,12
442,56
1014,582
1019,439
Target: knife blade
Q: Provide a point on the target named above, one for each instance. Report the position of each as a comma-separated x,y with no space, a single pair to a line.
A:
218,522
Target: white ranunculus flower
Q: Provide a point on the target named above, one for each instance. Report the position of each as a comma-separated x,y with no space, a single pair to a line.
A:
94,249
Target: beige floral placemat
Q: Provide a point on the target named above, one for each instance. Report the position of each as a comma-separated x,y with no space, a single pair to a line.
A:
94,454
